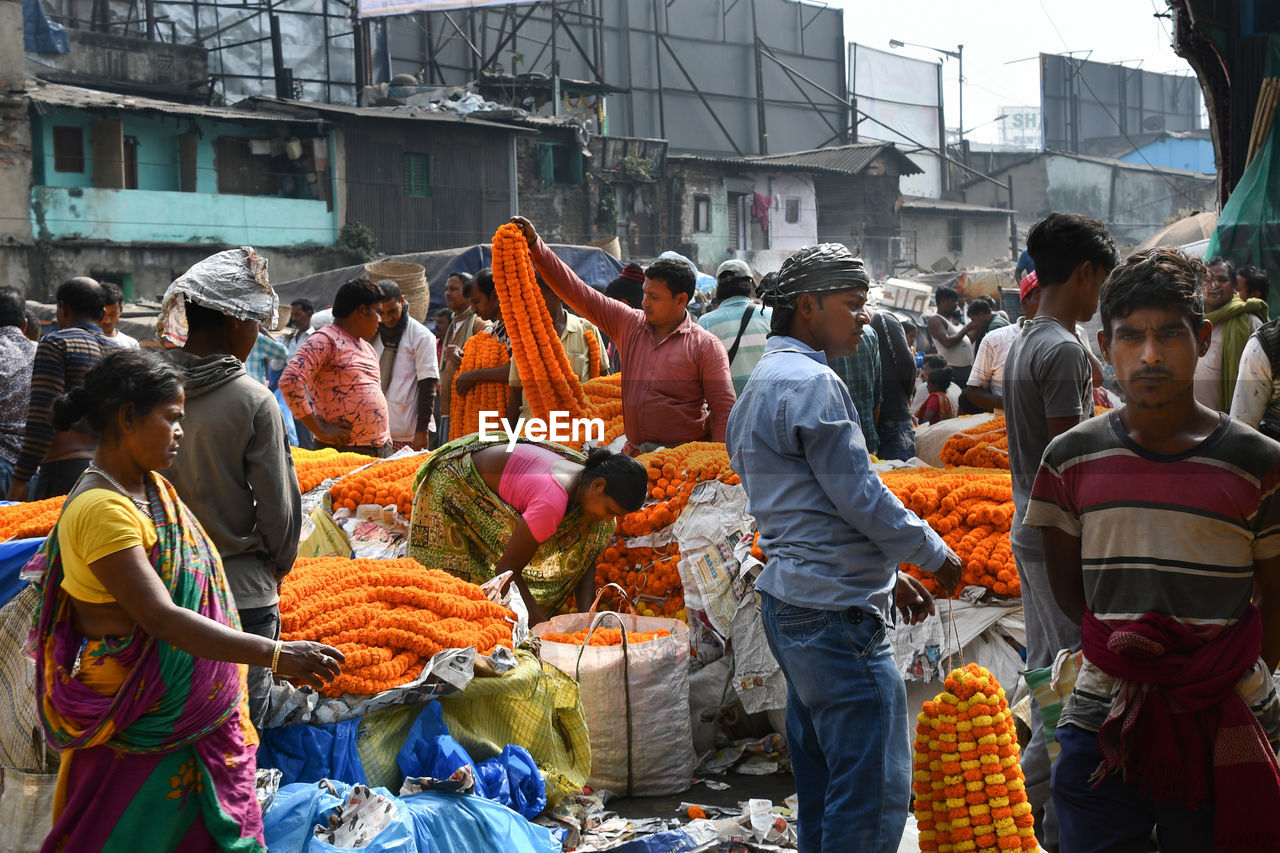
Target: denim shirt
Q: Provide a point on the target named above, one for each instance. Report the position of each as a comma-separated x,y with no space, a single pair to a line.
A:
833,531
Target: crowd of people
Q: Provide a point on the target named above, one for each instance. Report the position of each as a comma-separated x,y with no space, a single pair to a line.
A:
1147,539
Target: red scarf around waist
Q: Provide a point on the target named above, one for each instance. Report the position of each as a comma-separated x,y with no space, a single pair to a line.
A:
1179,730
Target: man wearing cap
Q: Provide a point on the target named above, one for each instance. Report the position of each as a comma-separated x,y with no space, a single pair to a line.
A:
235,470
739,323
986,381
676,385
834,536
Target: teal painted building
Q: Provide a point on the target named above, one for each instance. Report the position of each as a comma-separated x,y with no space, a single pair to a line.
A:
122,169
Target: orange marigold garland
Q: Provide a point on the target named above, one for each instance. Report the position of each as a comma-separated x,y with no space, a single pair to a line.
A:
388,617
386,483
313,467
970,794
971,509
545,373
482,351
983,446
604,637
604,401
593,354
30,520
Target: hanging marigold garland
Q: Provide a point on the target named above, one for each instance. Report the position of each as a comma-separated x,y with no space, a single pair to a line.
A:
593,354
545,373
482,351
970,794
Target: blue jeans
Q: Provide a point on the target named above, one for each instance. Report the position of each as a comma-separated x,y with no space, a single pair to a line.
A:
1114,817
897,440
846,726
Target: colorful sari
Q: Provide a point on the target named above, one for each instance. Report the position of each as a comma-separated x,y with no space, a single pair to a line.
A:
157,752
459,525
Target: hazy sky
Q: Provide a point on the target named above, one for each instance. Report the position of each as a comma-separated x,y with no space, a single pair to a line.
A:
997,33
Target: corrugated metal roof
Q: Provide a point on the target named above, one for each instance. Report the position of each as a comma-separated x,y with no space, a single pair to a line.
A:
837,160
258,103
941,205
60,95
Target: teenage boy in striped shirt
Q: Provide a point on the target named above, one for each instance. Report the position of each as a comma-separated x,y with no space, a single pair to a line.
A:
1161,530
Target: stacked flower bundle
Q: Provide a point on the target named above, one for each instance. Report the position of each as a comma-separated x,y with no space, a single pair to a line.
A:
385,483
970,794
604,401
387,616
313,467
970,508
651,572
482,351
983,446
30,520
550,385
604,637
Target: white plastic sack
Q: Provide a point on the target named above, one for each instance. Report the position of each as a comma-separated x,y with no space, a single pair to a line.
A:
233,282
636,701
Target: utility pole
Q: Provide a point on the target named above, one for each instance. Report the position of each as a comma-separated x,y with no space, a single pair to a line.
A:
762,127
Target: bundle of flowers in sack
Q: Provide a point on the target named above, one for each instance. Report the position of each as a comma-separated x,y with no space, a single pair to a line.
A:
604,637
971,509
650,576
481,352
313,467
385,483
549,382
983,446
970,794
389,617
31,519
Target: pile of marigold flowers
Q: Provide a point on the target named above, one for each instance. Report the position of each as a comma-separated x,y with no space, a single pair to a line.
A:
385,483
983,446
482,351
31,519
549,382
970,793
971,509
604,637
650,574
604,401
387,616
313,467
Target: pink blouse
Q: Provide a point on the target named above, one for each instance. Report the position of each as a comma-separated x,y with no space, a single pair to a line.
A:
529,485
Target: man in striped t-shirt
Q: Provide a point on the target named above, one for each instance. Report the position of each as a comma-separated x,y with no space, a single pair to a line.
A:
1159,522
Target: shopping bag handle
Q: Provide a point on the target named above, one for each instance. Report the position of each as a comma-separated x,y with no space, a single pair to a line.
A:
596,620
622,593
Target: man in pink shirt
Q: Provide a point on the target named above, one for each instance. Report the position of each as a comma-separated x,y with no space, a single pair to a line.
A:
676,385
332,384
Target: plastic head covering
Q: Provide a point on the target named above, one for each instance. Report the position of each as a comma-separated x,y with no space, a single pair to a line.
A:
233,282
825,268
704,283
1029,282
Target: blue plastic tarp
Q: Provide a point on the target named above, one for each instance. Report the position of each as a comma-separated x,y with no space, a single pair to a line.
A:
306,753
39,34
594,266
14,554
428,822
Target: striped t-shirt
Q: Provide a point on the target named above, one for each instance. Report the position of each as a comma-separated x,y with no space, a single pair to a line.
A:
1174,535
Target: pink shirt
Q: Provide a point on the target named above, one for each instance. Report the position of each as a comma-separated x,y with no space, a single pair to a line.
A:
529,485
674,391
335,376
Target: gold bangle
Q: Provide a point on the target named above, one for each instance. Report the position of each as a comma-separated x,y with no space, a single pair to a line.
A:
275,658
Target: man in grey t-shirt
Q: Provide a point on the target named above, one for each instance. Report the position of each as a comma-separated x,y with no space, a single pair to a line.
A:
1048,388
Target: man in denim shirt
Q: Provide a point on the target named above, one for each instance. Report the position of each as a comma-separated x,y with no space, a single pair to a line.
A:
834,536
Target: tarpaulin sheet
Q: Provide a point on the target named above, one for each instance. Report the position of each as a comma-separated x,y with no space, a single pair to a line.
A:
594,266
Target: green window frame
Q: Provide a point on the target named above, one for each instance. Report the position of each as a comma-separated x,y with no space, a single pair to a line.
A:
417,175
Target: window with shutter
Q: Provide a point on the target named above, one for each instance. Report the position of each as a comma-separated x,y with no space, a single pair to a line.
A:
417,177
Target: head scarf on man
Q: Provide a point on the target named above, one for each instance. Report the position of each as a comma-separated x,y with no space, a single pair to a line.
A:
233,282
825,268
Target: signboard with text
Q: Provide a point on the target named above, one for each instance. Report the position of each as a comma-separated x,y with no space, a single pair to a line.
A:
1020,126
377,8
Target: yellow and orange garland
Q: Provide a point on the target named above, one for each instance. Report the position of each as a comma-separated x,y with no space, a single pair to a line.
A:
30,520
971,509
313,467
549,382
388,617
482,351
970,793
